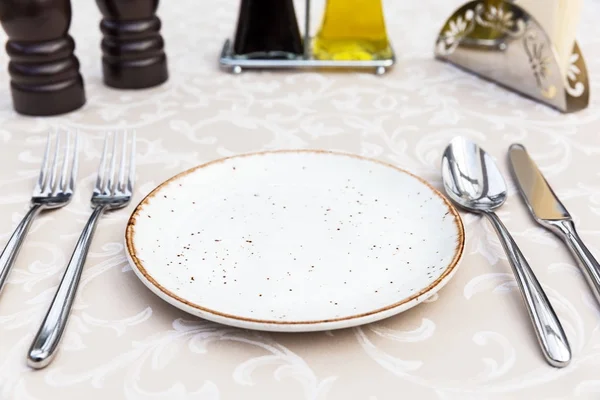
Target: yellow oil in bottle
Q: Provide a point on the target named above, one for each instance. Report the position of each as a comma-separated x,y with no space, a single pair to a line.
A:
352,30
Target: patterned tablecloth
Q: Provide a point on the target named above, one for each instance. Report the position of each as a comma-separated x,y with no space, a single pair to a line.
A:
472,341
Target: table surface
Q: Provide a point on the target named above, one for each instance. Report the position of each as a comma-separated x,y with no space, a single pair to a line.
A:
472,341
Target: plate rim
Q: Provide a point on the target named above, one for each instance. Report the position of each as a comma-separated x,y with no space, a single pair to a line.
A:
176,300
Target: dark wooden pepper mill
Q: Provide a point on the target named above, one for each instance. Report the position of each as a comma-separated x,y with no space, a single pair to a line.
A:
45,78
133,48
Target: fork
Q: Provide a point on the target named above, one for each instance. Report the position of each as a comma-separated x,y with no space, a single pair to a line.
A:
110,193
50,192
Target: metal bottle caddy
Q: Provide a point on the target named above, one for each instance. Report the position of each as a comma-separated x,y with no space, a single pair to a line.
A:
519,56
236,64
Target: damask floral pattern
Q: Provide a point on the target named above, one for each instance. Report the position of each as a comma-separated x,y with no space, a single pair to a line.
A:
457,30
540,61
574,87
472,341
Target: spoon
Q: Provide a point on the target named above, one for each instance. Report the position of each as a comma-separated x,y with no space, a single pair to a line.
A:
473,181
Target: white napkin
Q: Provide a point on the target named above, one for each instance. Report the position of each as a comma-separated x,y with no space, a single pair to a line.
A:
560,19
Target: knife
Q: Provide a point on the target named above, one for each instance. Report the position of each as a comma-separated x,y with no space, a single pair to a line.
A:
549,212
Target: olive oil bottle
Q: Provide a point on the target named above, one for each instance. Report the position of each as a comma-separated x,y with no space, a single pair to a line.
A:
352,30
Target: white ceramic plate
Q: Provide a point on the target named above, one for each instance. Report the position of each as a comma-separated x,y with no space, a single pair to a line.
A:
294,241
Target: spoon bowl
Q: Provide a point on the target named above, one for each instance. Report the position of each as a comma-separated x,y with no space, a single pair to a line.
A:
471,177
473,181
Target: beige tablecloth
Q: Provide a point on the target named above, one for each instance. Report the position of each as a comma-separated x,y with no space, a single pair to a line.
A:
472,341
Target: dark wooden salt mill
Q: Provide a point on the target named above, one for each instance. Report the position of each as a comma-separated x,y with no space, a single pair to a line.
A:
44,72
133,48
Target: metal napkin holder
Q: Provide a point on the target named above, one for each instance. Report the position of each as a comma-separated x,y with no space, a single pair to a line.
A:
521,56
228,60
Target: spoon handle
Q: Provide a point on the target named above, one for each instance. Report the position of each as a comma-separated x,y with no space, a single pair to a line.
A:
548,329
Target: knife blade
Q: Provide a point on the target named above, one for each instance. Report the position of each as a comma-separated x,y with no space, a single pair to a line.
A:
549,212
537,193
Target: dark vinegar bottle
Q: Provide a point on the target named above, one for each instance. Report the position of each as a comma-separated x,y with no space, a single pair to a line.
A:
267,29
133,54
44,71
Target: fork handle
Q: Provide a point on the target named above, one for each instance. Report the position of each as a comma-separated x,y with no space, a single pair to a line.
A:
46,341
10,252
549,331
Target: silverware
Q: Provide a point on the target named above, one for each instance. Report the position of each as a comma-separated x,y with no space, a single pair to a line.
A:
549,212
111,192
53,190
473,181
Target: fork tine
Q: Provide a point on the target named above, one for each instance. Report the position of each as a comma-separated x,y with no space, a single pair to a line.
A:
65,167
100,179
110,190
51,187
75,164
44,168
131,178
121,184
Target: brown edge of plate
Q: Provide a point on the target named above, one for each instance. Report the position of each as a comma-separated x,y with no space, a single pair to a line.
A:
130,231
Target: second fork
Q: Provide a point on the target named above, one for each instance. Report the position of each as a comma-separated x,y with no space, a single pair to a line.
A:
53,190
113,190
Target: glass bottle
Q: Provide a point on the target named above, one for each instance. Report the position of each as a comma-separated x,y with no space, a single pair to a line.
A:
352,30
267,29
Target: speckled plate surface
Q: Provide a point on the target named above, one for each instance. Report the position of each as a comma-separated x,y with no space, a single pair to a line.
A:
294,241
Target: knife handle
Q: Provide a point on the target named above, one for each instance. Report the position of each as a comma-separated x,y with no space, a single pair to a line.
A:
591,268
548,329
